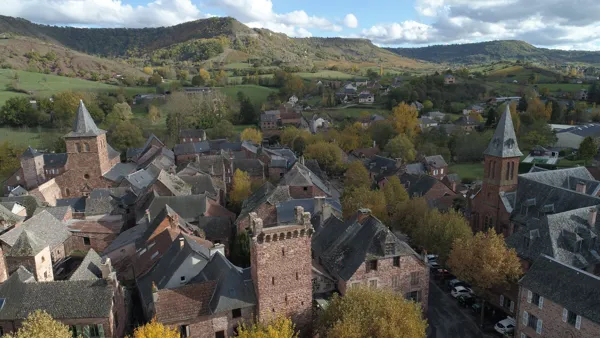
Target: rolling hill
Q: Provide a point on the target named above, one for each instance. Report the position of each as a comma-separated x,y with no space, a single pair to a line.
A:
492,51
222,39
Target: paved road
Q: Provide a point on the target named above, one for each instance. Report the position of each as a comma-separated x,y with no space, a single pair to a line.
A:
446,320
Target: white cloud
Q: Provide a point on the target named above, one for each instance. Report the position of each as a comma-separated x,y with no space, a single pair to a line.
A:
350,21
103,13
552,23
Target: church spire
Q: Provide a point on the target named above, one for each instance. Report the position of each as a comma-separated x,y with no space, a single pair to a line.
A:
84,125
504,142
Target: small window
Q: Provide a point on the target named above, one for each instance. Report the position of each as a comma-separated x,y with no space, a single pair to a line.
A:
283,252
86,176
184,331
220,334
297,275
397,262
390,249
182,278
43,259
396,282
45,274
86,147
532,321
86,241
373,283
236,313
535,299
78,147
571,318
273,280
414,296
372,265
415,278
305,188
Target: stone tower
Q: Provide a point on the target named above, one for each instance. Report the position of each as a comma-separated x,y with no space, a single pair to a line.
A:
32,163
500,176
280,259
90,156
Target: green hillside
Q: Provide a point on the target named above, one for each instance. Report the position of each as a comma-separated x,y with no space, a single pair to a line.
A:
491,51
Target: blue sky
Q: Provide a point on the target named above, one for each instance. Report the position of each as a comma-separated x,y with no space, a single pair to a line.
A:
551,23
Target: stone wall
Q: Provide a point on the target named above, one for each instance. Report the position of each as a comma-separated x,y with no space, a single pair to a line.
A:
282,274
98,241
306,192
266,211
208,326
396,278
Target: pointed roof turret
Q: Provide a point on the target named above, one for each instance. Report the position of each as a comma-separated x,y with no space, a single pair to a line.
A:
504,141
84,125
30,153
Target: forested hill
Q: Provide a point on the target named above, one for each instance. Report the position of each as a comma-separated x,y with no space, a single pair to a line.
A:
119,41
490,51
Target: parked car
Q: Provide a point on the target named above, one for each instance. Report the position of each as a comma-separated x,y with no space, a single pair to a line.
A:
466,300
442,274
505,326
457,282
460,291
432,257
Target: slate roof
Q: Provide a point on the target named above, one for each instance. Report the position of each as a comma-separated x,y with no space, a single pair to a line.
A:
30,153
184,303
188,207
286,212
44,226
418,185
504,142
343,246
119,171
436,161
24,275
112,153
27,245
253,167
18,192
313,166
193,133
191,148
84,125
416,169
8,217
574,289
60,299
224,144
169,263
380,163
174,184
158,218
565,236
299,176
55,160
104,201
267,193
141,180
129,236
234,288
31,203
216,227
212,164
58,212
200,184
77,204
89,269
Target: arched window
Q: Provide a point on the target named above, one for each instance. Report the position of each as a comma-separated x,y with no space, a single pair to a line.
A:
78,146
512,170
86,147
507,170
67,192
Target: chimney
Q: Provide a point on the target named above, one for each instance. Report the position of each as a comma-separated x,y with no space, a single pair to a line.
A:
363,213
592,217
154,292
173,221
217,248
306,218
454,186
256,224
425,259
197,158
181,242
298,211
374,144
580,187
106,268
148,218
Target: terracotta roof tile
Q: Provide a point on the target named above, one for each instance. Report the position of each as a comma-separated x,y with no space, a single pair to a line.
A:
184,303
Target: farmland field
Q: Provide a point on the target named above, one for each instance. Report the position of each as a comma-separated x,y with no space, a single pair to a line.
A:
257,94
21,136
565,87
329,74
44,84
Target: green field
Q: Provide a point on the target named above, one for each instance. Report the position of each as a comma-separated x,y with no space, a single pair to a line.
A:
21,136
329,75
257,94
237,65
467,170
44,84
565,87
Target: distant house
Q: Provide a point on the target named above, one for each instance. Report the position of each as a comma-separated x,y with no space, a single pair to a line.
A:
293,100
196,90
436,115
467,123
425,186
366,98
270,120
426,123
449,79
341,97
434,166
582,95
350,89
417,105
541,155
366,122
571,138
192,135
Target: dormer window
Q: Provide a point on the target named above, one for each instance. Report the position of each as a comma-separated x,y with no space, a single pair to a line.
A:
390,249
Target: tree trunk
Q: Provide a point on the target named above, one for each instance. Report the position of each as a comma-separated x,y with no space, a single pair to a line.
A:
482,312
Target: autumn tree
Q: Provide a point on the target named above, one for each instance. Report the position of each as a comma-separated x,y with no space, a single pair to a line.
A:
363,197
410,215
40,324
240,189
356,176
153,114
223,129
328,155
121,112
155,329
405,119
280,327
587,149
438,231
372,312
202,78
395,195
537,109
155,79
148,70
381,132
125,134
9,158
401,147
484,261
202,110
252,134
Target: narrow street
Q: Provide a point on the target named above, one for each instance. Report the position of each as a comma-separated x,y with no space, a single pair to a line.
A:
446,320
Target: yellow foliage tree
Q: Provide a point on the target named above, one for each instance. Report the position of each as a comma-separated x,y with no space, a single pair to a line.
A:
328,155
405,119
356,176
438,231
205,75
251,134
484,261
155,329
395,195
371,312
537,109
241,187
148,70
40,324
153,114
280,327
363,197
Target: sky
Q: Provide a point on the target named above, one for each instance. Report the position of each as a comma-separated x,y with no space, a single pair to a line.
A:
562,24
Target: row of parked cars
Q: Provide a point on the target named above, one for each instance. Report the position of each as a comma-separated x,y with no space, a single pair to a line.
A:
465,296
